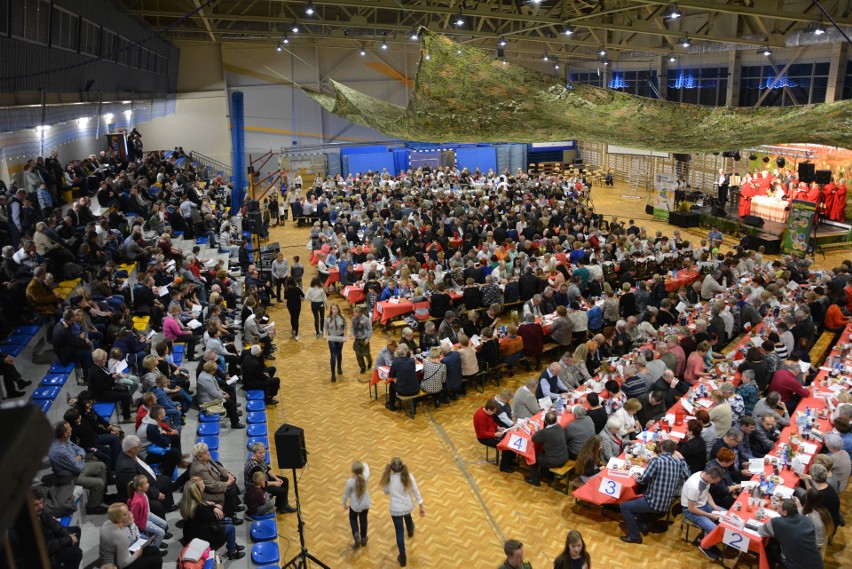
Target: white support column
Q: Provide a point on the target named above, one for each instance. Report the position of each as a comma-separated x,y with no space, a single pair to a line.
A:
732,97
837,72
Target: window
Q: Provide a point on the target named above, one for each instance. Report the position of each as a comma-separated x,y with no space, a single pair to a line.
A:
698,86
595,78
108,45
63,29
90,38
31,21
124,51
634,82
144,59
800,84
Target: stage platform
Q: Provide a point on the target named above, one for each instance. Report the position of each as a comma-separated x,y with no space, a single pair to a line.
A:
829,233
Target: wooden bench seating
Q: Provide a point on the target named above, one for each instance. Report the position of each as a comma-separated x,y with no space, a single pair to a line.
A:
409,402
563,474
821,348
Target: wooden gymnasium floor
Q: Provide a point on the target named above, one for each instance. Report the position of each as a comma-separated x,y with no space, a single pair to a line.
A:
471,507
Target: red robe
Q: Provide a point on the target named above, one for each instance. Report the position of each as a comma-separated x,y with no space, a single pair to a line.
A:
813,193
838,211
828,197
746,193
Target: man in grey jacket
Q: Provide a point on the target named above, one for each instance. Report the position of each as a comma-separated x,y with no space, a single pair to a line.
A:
554,449
526,405
362,331
578,431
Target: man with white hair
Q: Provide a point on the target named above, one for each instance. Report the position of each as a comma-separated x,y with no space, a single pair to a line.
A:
578,431
841,468
128,465
256,375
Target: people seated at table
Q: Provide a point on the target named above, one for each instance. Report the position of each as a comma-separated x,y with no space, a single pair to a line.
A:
578,431
841,468
511,348
489,433
817,478
386,354
407,339
402,376
725,491
504,417
554,448
447,329
794,539
699,506
788,387
434,375
549,384
526,402
693,448
653,408
452,361
611,442
771,404
532,334
663,475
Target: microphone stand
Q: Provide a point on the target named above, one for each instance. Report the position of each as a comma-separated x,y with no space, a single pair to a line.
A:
300,560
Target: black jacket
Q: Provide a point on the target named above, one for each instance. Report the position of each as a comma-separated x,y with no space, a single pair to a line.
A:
56,537
100,382
125,469
64,342
254,372
202,526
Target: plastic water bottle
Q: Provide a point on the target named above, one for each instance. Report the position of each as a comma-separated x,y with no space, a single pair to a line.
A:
675,273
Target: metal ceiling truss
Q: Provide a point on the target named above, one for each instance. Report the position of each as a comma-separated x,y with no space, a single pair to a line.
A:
638,26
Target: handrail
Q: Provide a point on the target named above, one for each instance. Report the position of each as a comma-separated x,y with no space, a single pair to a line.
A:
212,164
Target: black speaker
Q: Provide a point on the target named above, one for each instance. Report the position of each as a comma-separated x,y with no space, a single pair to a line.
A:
780,161
682,219
822,176
252,205
770,243
682,157
649,209
290,447
753,220
254,222
806,172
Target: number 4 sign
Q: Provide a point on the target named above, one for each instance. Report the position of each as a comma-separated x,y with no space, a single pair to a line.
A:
518,443
610,488
736,540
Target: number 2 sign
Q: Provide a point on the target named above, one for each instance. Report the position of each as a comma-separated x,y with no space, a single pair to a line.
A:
610,488
735,540
518,443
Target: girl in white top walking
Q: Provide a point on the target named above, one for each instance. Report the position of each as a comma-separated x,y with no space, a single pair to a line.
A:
358,494
400,485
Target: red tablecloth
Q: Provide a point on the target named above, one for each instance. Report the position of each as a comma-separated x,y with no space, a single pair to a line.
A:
684,278
526,448
354,294
316,254
454,243
334,274
386,310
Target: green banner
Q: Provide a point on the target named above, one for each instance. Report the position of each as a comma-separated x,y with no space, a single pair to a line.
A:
800,227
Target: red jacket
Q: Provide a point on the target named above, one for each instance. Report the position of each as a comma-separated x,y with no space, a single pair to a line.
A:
786,384
484,424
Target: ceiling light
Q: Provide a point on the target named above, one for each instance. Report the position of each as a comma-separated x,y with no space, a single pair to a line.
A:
672,58
568,30
414,35
602,51
604,61
556,65
674,13
819,29
285,39
545,57
295,28
502,42
503,60
460,19
384,44
108,117
766,51
684,41
83,121
278,48
536,1
309,9
363,52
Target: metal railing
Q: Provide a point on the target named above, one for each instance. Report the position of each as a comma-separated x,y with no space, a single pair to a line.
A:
214,166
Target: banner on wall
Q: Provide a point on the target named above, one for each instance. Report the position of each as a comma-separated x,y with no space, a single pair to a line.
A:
664,194
800,227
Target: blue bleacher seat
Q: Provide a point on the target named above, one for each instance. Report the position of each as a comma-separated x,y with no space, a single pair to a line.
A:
266,516
252,440
48,392
27,330
104,409
256,430
43,404
256,417
55,379
178,233
59,367
266,552
210,564
17,340
253,394
263,530
201,241
255,405
211,442
204,417
274,566
208,429
214,454
13,350
65,521
180,348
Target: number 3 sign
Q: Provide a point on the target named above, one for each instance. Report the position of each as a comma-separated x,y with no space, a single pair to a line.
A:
736,540
610,488
518,443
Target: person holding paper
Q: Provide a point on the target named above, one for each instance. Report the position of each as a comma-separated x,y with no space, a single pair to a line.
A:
177,332
698,505
663,476
489,434
256,333
208,390
114,545
105,387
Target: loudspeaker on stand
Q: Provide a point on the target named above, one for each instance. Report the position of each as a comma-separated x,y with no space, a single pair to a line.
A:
290,447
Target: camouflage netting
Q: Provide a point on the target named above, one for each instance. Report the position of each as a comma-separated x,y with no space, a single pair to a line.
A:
472,97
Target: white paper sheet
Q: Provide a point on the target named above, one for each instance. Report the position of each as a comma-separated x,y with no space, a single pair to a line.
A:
194,324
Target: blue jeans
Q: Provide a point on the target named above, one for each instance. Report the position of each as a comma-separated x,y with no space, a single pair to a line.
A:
114,444
400,535
336,350
357,519
230,536
703,522
629,511
173,418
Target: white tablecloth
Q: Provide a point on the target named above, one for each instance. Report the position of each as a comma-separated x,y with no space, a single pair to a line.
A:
770,208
